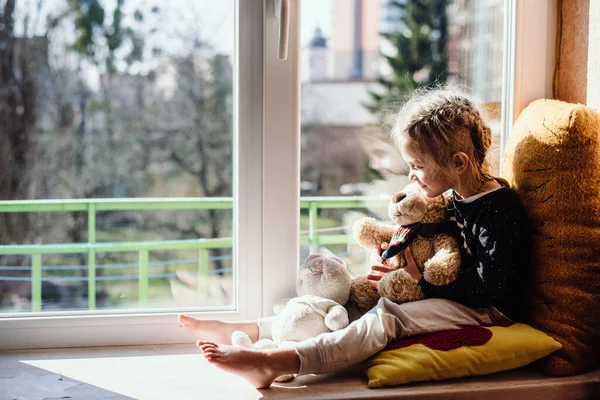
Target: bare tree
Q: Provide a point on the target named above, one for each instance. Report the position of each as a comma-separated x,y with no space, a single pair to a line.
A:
18,112
200,139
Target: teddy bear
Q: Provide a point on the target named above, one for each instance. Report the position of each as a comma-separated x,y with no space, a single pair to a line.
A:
421,224
323,288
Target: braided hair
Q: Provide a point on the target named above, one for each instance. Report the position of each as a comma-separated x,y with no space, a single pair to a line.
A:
442,122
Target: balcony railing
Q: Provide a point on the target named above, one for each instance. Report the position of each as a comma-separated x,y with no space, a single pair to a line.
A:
313,238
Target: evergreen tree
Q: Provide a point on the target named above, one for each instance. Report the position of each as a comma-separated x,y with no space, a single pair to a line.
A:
418,58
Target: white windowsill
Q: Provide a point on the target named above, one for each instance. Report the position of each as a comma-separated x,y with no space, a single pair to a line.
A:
140,372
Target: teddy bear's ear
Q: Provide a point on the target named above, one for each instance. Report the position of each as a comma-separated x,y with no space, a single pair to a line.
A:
312,265
398,197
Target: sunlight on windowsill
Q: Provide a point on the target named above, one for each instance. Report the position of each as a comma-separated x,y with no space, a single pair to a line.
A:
130,371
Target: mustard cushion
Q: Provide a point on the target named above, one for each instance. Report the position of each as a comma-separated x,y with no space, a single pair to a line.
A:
553,162
507,348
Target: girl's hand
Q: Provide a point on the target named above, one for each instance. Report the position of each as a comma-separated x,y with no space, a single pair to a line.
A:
411,265
382,247
378,265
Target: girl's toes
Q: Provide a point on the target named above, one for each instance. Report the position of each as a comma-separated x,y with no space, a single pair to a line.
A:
205,342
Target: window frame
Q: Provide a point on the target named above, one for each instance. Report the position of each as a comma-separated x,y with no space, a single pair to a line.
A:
530,34
267,174
251,229
281,218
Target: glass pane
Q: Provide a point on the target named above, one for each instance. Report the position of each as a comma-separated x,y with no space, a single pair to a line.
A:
348,46
122,114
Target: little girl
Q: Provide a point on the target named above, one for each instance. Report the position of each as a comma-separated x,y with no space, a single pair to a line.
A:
444,140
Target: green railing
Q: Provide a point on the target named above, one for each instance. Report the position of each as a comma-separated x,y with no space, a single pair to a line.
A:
203,246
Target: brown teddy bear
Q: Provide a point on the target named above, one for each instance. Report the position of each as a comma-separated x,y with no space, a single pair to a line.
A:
422,225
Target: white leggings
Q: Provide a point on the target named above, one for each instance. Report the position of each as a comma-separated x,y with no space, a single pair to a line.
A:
371,333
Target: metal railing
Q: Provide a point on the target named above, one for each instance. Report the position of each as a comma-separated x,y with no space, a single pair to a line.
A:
203,246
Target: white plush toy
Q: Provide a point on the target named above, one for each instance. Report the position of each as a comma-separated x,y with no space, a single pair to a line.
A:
323,288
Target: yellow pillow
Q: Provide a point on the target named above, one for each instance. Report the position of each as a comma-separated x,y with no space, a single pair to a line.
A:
507,348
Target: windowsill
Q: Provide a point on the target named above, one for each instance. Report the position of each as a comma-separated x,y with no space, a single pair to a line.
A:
179,371
140,372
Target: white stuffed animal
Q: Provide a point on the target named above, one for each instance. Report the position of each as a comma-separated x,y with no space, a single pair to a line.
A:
323,288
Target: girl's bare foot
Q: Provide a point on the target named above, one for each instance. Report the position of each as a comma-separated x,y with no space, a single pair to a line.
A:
259,367
217,331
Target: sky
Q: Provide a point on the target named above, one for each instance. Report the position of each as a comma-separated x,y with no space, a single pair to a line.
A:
315,14
209,17
204,18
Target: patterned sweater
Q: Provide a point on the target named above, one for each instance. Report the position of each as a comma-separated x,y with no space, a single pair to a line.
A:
495,239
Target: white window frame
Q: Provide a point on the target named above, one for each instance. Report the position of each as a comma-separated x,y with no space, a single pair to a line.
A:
266,217
265,247
530,28
281,218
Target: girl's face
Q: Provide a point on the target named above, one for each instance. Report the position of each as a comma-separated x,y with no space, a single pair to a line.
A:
422,170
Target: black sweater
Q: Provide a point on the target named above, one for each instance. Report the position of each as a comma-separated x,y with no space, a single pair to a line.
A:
495,239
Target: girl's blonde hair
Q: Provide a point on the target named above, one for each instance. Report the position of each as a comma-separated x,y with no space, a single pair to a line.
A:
442,122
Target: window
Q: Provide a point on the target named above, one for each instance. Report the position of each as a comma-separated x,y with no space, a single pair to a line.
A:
268,110
345,147
345,131
140,109
145,140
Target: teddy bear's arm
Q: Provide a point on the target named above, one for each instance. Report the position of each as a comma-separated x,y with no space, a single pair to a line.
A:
370,234
399,287
336,318
442,268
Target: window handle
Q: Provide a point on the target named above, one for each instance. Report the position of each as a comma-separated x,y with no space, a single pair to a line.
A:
282,11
